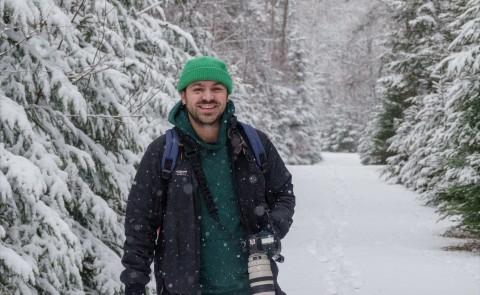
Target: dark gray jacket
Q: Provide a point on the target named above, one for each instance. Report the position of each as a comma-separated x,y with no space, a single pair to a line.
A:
176,251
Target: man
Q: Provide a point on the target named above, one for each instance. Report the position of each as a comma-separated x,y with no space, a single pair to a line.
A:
210,203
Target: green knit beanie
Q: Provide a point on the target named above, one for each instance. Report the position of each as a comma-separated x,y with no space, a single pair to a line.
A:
204,68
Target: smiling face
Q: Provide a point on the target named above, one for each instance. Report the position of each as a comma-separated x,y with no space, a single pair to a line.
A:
205,102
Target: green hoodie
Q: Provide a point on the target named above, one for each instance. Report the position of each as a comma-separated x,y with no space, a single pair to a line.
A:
223,263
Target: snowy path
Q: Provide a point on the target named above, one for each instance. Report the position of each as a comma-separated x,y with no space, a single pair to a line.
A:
354,234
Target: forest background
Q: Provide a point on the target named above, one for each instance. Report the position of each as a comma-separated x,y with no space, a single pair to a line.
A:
86,85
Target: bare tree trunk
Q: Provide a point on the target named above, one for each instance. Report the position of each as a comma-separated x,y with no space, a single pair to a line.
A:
283,46
272,15
272,29
246,49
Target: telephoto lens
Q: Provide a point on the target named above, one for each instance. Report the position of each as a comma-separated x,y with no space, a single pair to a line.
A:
259,269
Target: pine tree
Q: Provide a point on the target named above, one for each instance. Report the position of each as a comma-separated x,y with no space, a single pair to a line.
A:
78,81
435,147
407,74
427,49
293,112
459,190
341,134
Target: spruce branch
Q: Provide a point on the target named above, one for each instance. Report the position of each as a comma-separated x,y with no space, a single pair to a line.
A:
101,41
129,102
147,101
140,90
25,39
182,33
151,7
27,36
92,71
107,116
50,109
72,20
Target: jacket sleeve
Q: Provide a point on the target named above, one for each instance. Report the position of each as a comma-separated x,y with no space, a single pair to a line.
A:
140,224
279,190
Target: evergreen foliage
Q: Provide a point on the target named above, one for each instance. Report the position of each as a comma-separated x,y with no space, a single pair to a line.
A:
462,201
458,193
433,147
341,133
428,47
408,65
75,77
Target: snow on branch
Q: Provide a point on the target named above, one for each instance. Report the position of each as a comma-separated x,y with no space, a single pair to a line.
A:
182,33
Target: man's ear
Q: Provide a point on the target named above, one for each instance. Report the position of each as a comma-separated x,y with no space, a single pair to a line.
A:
183,96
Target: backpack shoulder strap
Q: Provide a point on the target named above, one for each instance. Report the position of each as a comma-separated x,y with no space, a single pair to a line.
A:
170,153
169,160
256,145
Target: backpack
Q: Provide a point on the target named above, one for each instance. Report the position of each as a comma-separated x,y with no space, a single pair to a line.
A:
170,153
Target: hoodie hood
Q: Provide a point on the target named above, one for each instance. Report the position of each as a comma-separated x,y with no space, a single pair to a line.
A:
178,116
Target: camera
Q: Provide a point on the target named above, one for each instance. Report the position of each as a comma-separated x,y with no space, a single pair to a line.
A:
262,247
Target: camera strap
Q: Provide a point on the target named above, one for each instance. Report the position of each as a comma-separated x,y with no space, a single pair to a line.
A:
191,151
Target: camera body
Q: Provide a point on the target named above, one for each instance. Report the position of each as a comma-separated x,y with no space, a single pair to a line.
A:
266,243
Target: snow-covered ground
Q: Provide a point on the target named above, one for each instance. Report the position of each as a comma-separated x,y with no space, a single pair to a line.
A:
353,234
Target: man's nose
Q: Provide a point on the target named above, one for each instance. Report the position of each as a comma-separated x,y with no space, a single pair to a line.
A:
208,95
